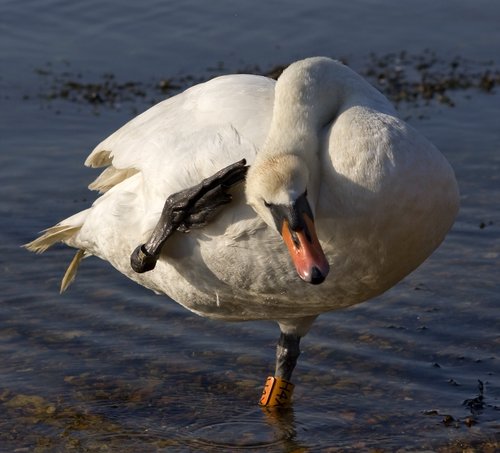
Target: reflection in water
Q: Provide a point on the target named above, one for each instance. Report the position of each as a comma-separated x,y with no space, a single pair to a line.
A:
282,420
272,428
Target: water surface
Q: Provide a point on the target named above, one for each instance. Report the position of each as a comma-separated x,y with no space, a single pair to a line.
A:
108,366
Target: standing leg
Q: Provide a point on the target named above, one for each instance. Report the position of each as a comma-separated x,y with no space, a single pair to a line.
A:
278,389
287,353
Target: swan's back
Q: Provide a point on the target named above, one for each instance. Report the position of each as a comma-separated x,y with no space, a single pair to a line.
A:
190,136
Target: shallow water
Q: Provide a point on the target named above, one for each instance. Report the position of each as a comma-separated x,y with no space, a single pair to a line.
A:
110,367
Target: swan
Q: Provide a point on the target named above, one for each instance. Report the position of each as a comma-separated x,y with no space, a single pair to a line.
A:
341,200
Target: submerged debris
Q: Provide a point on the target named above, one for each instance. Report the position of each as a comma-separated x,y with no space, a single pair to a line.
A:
410,78
403,77
476,405
106,90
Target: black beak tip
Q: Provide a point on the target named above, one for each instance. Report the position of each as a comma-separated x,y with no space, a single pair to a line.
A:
317,276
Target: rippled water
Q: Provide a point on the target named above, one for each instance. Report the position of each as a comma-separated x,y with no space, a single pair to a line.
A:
110,367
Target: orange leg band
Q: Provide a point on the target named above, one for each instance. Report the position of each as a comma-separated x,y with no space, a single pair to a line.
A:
277,393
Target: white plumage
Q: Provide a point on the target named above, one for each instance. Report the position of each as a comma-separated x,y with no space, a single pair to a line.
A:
383,197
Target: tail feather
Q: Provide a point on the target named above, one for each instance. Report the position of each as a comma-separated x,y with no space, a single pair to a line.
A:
64,231
57,233
70,273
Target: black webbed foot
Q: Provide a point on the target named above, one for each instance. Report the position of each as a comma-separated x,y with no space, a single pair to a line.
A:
188,209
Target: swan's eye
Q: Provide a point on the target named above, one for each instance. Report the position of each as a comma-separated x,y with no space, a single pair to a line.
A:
266,204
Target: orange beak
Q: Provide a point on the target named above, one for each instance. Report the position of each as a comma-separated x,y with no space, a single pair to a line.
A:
306,252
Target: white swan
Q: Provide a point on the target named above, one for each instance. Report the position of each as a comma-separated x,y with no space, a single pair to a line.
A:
322,144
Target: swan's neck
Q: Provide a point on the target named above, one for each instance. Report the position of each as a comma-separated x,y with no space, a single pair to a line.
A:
309,95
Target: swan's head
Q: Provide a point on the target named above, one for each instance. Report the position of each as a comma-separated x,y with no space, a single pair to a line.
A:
277,189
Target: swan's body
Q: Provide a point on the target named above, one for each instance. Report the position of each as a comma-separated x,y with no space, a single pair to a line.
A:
383,197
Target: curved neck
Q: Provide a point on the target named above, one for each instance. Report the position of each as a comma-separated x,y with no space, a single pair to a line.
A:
309,95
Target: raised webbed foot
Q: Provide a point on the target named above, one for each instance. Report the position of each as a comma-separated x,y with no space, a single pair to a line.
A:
188,209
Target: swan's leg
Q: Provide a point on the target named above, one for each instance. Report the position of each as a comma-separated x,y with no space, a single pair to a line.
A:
191,208
278,388
287,353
